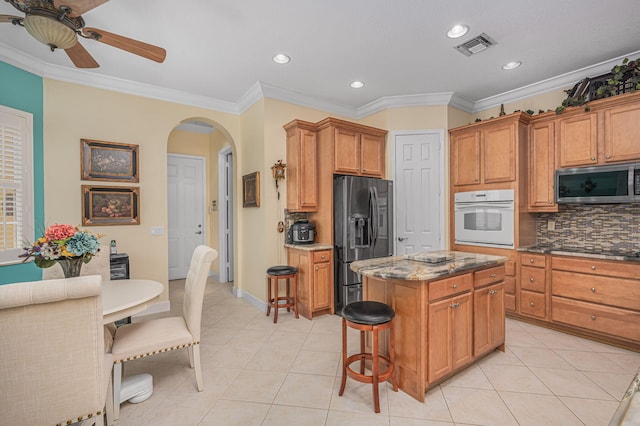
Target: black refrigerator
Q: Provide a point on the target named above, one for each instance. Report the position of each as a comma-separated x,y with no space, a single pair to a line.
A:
363,229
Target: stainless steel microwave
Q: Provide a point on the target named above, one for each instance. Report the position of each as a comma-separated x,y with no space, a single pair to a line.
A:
617,183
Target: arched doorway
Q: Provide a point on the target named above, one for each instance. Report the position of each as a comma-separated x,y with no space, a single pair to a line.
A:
192,140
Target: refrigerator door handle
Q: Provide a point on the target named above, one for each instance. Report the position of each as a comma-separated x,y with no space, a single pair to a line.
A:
374,214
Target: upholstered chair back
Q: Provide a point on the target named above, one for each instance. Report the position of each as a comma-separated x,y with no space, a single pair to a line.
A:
99,265
53,367
194,287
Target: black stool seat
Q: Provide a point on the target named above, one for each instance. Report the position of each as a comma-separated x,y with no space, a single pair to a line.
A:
282,270
368,312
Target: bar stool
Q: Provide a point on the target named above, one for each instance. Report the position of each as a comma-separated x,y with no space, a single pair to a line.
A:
274,275
373,317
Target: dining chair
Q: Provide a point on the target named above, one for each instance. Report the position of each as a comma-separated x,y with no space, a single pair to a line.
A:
144,338
99,265
53,365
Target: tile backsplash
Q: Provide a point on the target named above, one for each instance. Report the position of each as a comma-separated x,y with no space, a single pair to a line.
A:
600,228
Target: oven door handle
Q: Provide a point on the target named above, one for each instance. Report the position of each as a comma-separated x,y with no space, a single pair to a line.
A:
504,205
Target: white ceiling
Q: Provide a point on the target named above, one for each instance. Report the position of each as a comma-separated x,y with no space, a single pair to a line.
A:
219,52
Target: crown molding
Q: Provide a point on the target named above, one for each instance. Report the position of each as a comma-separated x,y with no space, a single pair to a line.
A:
261,90
554,83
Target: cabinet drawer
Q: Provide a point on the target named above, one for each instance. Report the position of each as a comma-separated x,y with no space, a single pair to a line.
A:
510,268
530,259
532,279
488,276
618,292
510,302
532,304
450,286
597,267
509,285
321,256
605,319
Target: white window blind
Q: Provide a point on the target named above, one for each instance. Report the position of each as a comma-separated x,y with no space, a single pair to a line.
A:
16,183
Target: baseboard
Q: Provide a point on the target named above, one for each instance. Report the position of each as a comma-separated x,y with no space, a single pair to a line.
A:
215,276
261,305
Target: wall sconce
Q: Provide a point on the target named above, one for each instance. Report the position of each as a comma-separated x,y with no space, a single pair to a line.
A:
278,173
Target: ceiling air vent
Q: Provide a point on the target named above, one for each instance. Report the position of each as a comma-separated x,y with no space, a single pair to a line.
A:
475,45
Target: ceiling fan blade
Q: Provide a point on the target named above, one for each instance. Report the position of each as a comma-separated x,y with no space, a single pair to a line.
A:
80,57
9,18
136,47
78,7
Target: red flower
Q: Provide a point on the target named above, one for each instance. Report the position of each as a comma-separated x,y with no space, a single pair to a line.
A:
59,232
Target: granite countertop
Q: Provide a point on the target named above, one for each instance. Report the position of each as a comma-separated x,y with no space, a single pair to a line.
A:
401,267
579,252
309,247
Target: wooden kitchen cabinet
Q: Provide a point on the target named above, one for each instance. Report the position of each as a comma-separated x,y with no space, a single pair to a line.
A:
302,167
533,286
607,133
315,281
357,152
542,166
487,152
488,310
598,296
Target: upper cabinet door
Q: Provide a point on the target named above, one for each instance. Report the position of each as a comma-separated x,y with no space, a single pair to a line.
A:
302,168
371,155
622,133
578,140
498,145
465,151
347,151
542,167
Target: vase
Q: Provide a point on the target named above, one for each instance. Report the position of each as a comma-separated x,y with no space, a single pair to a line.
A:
71,266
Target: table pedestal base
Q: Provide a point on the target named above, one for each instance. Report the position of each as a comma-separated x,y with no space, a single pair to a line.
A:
136,388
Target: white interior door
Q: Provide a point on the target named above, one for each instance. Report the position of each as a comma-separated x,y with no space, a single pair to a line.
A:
186,198
419,201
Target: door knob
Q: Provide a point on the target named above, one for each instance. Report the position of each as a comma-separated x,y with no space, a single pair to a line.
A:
199,232
401,239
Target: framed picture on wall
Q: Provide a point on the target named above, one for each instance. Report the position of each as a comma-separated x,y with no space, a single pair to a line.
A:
103,205
110,161
251,190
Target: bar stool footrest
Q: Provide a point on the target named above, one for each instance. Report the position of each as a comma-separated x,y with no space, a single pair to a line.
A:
366,378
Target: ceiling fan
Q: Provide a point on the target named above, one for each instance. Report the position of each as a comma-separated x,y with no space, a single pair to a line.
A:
58,23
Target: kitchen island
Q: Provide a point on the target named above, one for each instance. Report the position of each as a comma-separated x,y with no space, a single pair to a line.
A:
448,313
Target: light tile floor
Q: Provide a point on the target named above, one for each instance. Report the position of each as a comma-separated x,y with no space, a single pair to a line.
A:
258,373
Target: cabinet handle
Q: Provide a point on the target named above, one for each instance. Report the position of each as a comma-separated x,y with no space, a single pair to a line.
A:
593,267
532,304
593,289
607,156
322,256
531,279
593,158
492,275
317,268
531,260
593,317
455,305
550,202
454,285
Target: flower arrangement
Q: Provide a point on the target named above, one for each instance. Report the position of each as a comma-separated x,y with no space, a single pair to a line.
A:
62,242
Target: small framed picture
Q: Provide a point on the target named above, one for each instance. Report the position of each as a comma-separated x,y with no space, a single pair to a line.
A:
110,161
251,190
103,205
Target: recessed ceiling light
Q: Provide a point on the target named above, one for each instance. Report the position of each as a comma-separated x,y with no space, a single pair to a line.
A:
357,84
281,58
457,31
511,65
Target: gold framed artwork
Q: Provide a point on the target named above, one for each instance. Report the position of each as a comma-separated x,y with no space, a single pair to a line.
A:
104,205
111,161
251,190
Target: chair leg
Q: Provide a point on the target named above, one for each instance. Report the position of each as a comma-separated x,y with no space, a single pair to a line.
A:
288,293
344,357
196,362
392,356
295,295
268,295
109,403
375,368
190,352
117,382
276,291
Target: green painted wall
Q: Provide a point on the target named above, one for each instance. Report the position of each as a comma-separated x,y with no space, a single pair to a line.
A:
24,91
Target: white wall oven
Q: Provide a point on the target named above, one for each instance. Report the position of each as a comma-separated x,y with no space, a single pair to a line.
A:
485,218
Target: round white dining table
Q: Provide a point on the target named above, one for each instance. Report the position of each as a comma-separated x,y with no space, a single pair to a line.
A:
123,298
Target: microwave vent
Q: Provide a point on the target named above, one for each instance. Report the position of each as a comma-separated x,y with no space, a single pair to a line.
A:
475,45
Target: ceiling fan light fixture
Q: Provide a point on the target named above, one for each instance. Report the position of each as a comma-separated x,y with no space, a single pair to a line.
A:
51,32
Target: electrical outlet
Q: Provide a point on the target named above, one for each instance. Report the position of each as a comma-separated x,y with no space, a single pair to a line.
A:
157,230
551,225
